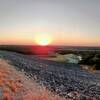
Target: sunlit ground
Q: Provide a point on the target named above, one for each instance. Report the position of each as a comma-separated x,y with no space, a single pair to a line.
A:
14,85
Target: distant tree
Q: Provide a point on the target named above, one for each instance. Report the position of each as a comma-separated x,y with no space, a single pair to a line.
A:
91,58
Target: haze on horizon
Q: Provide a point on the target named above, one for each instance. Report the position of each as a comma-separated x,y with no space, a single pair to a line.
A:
66,22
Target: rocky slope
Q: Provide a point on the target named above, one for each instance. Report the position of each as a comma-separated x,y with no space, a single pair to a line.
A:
15,85
67,80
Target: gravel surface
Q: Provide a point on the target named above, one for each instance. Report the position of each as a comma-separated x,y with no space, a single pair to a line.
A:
15,85
67,80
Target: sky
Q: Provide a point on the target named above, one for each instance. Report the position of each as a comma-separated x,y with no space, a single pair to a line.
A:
66,22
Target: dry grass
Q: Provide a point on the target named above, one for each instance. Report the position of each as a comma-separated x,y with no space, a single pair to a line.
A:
14,85
88,68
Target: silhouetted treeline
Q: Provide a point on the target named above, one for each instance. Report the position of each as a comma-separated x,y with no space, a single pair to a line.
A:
89,56
28,49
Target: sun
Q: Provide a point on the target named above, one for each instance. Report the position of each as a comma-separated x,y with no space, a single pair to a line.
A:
43,40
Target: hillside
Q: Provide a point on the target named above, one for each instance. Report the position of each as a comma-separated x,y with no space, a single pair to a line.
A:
14,85
63,79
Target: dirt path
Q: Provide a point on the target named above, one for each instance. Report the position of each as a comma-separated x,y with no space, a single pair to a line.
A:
14,85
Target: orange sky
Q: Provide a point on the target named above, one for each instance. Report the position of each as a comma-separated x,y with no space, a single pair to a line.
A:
66,22
56,39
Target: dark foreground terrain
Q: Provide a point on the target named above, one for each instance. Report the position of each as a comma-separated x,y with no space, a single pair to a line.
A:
67,80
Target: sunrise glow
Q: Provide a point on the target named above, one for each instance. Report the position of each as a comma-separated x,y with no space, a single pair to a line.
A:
43,39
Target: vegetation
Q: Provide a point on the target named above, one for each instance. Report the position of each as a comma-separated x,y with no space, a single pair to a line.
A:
69,51
90,56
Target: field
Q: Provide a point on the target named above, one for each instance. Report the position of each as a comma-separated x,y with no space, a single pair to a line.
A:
62,80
